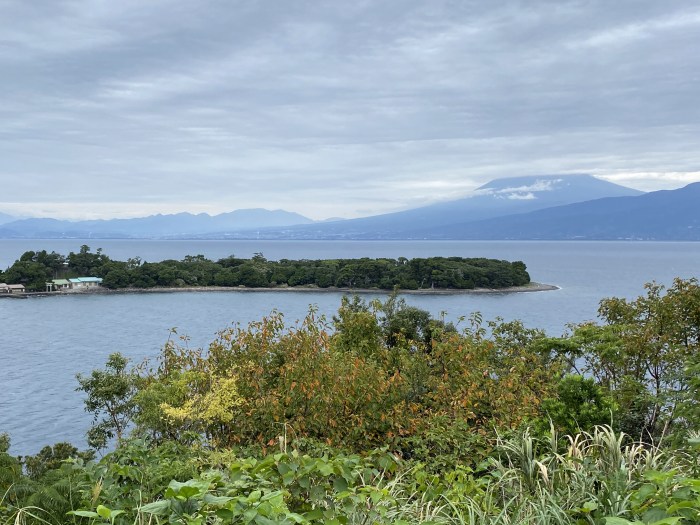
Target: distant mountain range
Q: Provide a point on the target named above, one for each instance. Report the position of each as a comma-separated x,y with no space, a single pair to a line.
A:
658,215
5,218
498,198
538,207
154,226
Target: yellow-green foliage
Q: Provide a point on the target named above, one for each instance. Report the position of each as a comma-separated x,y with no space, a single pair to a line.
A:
215,405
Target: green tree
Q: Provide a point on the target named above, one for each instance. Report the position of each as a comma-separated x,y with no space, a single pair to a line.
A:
110,399
357,328
86,263
32,274
51,458
115,275
254,275
641,355
404,322
580,405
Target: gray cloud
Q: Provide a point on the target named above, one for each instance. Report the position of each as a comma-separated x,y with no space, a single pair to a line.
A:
336,109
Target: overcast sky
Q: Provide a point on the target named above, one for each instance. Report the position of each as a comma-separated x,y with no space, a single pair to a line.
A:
329,108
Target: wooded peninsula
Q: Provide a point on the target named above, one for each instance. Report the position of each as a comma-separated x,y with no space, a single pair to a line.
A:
35,269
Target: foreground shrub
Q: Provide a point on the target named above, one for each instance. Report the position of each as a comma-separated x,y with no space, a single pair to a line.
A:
254,384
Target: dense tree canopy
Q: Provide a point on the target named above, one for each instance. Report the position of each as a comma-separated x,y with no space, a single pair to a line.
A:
34,269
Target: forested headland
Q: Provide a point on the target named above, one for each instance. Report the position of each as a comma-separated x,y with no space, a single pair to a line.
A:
35,269
384,414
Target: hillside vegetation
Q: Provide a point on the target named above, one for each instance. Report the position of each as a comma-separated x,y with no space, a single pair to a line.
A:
386,415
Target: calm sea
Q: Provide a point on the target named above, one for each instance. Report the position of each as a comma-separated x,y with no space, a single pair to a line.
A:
46,341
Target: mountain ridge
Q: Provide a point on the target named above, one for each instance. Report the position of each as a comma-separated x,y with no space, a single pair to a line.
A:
557,207
158,225
658,215
5,218
499,197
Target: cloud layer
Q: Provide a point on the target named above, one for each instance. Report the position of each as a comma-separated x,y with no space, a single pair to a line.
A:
336,108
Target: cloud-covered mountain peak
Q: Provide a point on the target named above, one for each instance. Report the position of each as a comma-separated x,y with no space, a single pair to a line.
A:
527,191
536,187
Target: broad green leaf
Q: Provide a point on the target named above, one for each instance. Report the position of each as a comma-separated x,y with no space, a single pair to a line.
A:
376,496
621,521
673,509
210,499
340,484
273,497
226,515
315,514
158,508
288,478
186,490
655,514
317,494
103,511
262,520
589,506
325,469
645,491
667,521
84,513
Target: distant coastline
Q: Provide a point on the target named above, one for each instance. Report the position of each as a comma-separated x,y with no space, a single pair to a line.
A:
531,287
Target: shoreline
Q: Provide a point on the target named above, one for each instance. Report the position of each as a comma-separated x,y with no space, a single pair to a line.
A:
532,287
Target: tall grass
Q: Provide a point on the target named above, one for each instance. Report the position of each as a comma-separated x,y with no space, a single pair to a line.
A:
536,481
574,480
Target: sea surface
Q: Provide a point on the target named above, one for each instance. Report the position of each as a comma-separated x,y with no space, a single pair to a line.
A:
47,340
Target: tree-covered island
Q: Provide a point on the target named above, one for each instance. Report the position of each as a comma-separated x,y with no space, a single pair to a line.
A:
35,269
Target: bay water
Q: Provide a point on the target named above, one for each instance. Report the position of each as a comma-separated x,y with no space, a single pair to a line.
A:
47,340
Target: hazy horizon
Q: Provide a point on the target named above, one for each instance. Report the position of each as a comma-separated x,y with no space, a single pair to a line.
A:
129,109
540,184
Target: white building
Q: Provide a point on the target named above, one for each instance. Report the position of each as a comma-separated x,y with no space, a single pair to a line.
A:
11,288
77,284
84,283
